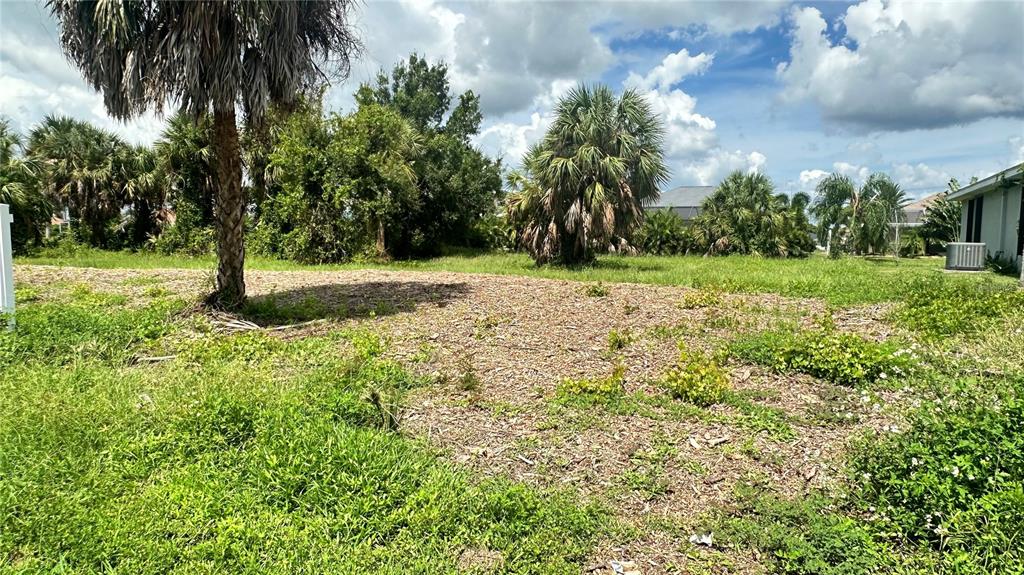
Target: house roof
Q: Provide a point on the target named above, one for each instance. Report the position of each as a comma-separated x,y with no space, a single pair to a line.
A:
1013,173
683,197
914,212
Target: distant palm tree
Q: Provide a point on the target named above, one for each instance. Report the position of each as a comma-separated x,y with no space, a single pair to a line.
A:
863,213
186,157
882,203
79,171
586,183
207,54
744,215
19,188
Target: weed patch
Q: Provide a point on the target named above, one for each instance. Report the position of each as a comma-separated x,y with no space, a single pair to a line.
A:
938,308
696,378
842,358
593,390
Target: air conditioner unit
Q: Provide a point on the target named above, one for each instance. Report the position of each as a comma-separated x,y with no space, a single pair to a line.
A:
965,256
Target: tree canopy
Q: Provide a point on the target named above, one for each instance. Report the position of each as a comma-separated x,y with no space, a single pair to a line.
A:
205,56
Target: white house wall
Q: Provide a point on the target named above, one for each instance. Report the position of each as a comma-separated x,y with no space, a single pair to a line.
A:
1000,212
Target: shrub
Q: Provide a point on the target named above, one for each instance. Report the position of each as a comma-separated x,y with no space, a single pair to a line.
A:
842,358
798,537
664,234
618,340
186,241
953,477
700,298
596,290
696,378
594,389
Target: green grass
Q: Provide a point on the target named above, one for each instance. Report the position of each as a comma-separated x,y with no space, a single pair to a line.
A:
845,281
243,454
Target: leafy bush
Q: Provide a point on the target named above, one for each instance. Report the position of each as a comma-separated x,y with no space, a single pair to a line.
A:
938,308
842,358
596,290
594,389
953,478
186,241
618,340
664,234
696,378
700,298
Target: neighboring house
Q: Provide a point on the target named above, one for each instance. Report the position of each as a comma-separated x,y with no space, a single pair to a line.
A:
684,201
993,212
913,213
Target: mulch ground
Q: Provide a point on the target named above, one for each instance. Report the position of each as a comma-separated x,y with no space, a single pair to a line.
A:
519,337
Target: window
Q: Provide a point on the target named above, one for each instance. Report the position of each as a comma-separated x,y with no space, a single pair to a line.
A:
974,209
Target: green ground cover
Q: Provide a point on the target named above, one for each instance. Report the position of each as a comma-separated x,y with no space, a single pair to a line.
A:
243,454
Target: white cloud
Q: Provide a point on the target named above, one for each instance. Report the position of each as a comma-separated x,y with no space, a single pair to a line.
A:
904,65
856,173
671,71
1016,150
691,143
809,180
718,163
915,178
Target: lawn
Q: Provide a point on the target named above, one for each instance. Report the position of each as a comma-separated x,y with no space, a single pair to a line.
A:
388,420
850,280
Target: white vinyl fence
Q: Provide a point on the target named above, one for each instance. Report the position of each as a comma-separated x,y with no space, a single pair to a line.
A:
6,267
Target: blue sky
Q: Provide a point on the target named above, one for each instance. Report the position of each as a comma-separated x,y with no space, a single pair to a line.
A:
923,91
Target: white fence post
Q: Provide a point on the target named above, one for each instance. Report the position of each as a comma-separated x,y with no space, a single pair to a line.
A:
6,266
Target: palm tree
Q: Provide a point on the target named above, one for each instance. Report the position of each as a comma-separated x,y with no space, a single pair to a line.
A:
19,188
144,189
587,181
186,157
881,204
79,171
941,221
744,215
864,213
200,55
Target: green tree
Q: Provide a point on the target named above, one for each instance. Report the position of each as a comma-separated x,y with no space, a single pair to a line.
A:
189,166
80,171
144,186
204,54
347,185
882,203
857,219
745,216
588,179
941,221
458,184
19,188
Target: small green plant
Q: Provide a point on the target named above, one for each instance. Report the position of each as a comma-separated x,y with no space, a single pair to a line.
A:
618,340
156,292
700,298
952,476
26,294
842,358
596,290
594,389
696,378
468,380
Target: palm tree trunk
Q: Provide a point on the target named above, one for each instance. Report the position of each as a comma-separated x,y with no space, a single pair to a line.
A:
230,212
